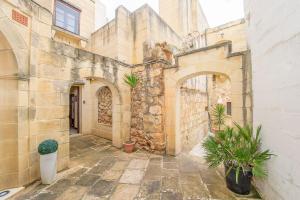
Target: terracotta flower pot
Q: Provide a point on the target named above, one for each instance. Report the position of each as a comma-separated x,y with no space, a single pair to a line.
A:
129,146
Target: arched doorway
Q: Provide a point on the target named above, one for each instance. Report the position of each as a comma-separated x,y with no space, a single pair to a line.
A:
9,116
106,111
218,60
197,98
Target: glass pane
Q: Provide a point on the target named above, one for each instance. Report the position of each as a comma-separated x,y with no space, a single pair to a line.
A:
67,17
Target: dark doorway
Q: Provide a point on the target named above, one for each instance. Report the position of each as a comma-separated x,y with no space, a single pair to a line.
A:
74,110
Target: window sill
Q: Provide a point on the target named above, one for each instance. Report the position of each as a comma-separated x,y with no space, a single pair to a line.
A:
62,32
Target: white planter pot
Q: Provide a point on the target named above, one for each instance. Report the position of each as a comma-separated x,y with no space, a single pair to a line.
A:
48,165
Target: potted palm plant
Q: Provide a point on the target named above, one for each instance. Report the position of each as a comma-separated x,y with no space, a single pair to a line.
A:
48,160
240,152
132,81
218,117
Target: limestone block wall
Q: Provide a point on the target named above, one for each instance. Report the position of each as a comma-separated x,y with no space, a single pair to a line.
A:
124,37
273,36
193,114
234,31
190,16
8,115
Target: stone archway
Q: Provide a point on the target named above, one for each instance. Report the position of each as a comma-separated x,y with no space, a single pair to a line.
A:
112,122
14,122
215,59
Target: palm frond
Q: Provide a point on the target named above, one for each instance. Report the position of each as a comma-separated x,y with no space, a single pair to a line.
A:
131,80
238,148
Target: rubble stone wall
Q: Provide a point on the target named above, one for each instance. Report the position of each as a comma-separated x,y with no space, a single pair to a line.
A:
193,116
105,106
147,108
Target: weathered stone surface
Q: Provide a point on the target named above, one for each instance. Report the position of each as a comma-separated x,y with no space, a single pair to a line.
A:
150,190
87,180
153,172
132,176
60,186
170,165
171,196
220,192
105,106
138,164
191,191
74,193
125,192
102,188
111,175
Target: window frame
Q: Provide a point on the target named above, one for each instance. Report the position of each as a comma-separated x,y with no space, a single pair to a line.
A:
72,7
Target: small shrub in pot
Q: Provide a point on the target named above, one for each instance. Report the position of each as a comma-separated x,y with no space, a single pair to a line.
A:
48,160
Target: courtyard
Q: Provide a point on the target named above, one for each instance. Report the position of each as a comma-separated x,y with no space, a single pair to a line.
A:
100,171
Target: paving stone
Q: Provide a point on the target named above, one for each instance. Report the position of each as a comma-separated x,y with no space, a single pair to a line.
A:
102,188
170,165
87,180
92,197
132,176
220,192
150,190
188,165
138,164
154,175
119,165
73,193
169,159
108,162
191,191
155,160
45,196
60,186
190,179
153,172
77,173
125,192
111,175
170,172
170,184
210,176
171,196
98,169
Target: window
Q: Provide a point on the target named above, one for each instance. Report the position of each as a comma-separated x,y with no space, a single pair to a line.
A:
228,108
67,17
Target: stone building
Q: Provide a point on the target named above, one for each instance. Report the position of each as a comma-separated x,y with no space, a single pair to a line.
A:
276,91
60,77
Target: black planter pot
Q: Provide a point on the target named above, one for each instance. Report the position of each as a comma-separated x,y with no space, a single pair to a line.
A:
243,186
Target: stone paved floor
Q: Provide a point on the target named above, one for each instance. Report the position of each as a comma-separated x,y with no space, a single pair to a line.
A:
100,171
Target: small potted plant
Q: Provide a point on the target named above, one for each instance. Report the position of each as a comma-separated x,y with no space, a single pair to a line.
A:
240,152
218,117
48,160
132,81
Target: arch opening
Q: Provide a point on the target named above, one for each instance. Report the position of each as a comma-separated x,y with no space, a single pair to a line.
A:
9,115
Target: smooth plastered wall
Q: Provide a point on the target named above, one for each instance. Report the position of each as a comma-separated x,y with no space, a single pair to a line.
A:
274,39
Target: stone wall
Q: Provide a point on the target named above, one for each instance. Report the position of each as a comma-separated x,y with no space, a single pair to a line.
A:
124,37
274,37
190,15
105,106
193,114
148,108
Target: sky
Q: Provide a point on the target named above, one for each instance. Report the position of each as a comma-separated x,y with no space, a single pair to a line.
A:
217,11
